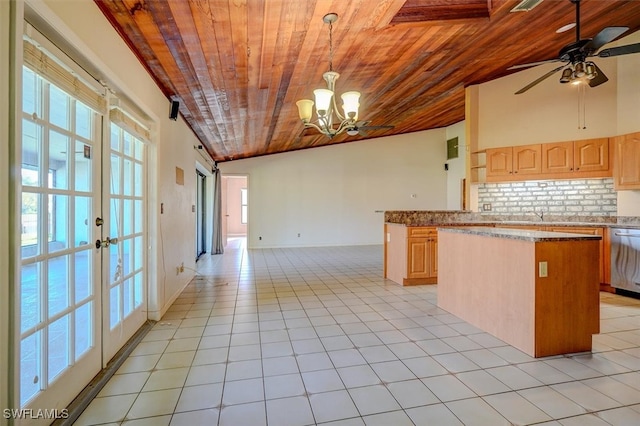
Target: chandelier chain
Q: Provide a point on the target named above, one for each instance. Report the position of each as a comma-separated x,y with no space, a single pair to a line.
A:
330,46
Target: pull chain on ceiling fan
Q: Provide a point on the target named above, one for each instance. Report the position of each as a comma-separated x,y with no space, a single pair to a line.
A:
577,67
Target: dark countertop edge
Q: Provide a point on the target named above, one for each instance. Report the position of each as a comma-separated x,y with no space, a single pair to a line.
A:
520,234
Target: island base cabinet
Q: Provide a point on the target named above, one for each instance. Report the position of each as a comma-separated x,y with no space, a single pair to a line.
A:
541,297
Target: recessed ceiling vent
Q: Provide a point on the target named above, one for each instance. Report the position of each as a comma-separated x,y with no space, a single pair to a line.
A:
526,5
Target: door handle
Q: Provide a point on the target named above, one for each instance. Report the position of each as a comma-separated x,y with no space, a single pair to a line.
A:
99,221
106,243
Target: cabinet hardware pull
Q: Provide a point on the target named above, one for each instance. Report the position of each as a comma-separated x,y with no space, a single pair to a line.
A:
620,234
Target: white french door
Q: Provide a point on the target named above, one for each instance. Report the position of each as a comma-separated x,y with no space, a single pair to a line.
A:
124,260
82,291
59,295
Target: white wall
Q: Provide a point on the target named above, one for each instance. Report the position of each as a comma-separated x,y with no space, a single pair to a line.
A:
172,234
331,195
549,111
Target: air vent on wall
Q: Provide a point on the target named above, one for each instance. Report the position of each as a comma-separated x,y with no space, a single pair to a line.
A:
526,5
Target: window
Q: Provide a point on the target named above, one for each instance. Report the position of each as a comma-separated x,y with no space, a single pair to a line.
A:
243,206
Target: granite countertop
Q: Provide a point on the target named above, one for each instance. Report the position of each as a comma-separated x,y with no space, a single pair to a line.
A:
520,234
467,218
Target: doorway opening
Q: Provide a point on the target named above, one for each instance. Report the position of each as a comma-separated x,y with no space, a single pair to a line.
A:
235,207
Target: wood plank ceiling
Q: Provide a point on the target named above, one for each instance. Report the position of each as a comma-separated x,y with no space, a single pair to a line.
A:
237,67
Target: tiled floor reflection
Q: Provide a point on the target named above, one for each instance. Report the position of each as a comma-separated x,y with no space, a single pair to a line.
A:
307,336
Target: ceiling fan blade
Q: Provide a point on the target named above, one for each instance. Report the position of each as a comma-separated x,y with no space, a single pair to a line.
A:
532,64
544,77
375,127
606,35
362,123
599,78
622,50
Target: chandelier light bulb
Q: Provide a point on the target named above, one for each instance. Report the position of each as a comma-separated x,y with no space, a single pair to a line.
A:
351,103
323,101
305,109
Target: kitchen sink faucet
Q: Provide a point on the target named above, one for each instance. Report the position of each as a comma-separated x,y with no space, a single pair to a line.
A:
540,215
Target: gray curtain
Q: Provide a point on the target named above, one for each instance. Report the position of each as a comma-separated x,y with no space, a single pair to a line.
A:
217,247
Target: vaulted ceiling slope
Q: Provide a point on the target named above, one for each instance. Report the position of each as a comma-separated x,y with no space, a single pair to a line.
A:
237,67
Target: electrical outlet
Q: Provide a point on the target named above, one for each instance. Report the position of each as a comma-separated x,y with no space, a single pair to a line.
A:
486,207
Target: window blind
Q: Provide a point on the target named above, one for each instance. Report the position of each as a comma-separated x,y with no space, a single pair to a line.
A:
53,71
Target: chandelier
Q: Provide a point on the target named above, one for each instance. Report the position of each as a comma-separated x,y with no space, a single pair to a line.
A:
325,100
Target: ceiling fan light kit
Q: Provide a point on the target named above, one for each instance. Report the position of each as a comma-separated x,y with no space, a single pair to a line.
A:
578,68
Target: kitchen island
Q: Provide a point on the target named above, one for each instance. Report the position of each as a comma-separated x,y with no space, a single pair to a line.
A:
535,290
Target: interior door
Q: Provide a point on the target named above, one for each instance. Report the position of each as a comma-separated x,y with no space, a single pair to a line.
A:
59,294
123,239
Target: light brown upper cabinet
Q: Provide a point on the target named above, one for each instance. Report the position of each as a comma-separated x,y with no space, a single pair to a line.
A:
591,155
627,161
587,158
557,157
509,163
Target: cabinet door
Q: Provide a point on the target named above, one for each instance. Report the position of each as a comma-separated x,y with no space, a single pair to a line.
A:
526,159
499,161
419,258
627,161
591,155
557,157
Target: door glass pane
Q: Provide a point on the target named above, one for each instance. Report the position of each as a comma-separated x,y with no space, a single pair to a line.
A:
83,272
58,107
31,149
127,175
29,220
115,264
138,217
127,217
126,255
128,144
30,302
58,222
139,149
137,180
31,91
30,366
58,291
83,166
83,330
138,251
115,175
58,358
115,137
83,120
138,289
58,164
114,212
114,306
127,295
82,221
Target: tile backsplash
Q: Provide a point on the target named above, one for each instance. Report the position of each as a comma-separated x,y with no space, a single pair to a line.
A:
584,197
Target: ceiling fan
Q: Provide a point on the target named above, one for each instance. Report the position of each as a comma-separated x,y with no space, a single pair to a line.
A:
577,68
361,128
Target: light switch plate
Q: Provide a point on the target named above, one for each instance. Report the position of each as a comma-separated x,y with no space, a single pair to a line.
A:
542,269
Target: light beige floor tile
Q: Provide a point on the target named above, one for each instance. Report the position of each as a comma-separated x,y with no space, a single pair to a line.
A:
154,403
125,383
516,409
475,411
107,409
166,379
429,415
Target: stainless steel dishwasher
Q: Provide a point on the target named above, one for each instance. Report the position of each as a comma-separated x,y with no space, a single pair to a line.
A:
625,259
